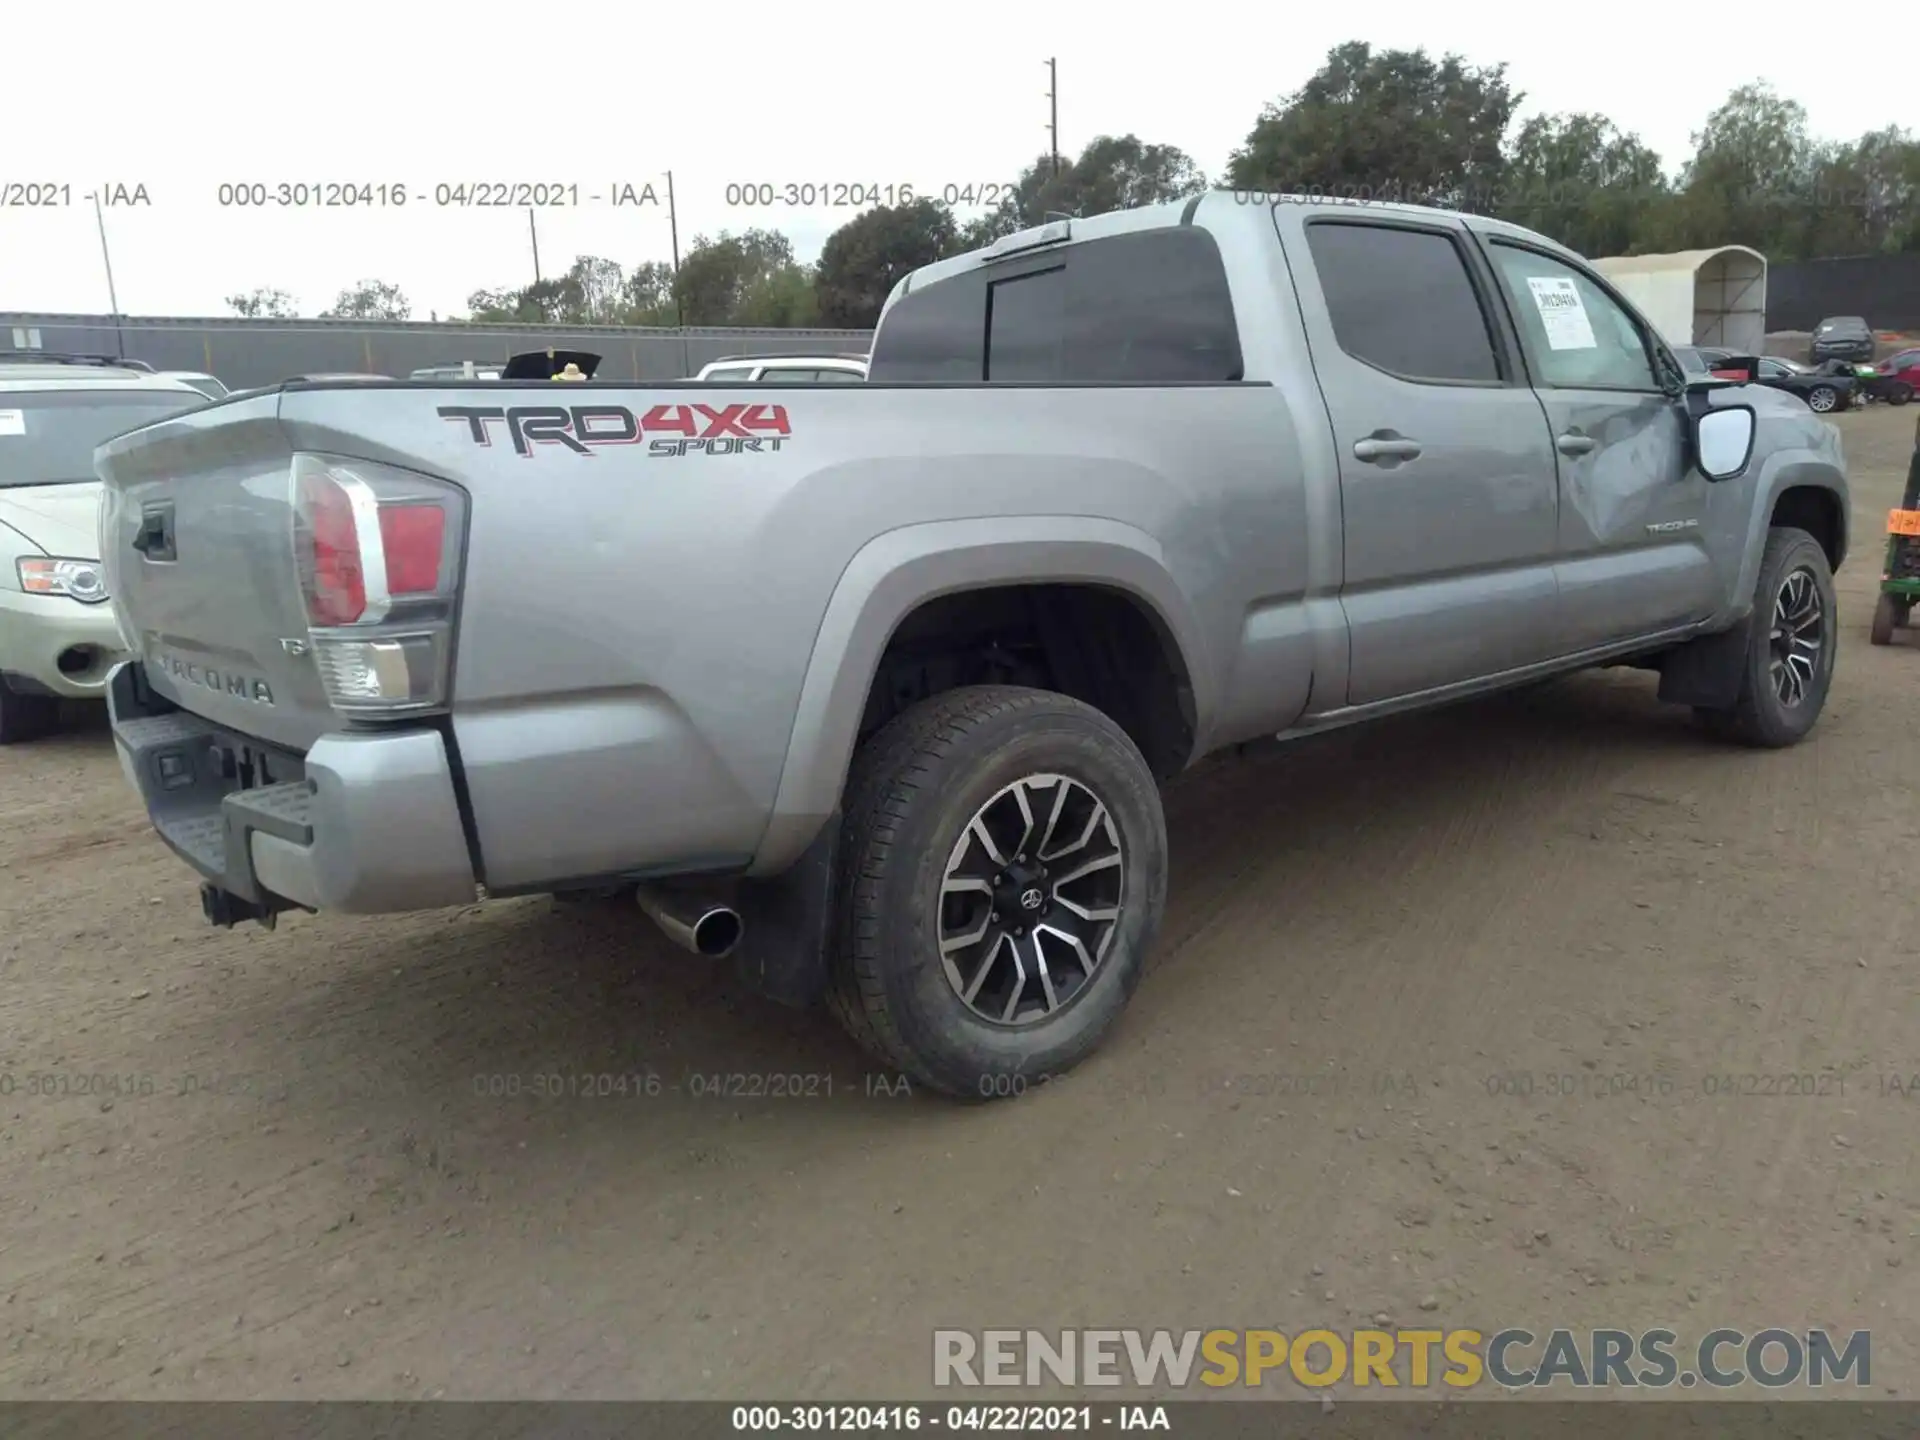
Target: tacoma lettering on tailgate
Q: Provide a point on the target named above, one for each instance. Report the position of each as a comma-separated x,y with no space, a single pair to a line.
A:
227,682
668,429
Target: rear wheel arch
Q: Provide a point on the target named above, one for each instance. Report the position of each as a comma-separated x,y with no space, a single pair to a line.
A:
910,581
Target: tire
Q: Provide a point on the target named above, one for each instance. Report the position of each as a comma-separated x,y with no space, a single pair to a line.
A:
1899,394
1886,619
1762,717
26,717
1823,399
916,790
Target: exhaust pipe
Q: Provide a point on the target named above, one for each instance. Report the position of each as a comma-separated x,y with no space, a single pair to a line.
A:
703,926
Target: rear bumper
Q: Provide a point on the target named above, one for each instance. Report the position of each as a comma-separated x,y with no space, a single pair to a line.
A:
362,823
37,630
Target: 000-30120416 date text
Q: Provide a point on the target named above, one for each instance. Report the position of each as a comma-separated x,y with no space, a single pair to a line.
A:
847,194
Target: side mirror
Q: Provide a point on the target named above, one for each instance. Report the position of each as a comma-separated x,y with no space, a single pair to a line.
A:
1743,368
1723,440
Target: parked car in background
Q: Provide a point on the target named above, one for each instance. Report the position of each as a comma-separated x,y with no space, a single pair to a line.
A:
465,370
796,369
208,385
1823,393
1901,369
58,637
1844,337
57,357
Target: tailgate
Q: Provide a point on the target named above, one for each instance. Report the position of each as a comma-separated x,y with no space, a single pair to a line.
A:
196,540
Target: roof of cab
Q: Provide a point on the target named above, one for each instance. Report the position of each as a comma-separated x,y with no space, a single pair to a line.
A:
1171,213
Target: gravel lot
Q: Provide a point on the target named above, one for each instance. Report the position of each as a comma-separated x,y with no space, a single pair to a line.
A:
312,1180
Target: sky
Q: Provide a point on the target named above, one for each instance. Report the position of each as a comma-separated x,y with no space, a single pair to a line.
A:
602,101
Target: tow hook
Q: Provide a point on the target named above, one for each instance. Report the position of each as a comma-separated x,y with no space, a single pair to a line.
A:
225,909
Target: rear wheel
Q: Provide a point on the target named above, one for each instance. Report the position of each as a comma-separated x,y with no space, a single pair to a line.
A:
1822,399
26,717
1789,662
1899,393
1886,619
1003,872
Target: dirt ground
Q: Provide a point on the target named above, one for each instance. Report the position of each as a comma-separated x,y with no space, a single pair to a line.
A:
313,1182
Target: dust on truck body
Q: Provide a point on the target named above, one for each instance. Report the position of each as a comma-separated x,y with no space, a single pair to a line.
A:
872,687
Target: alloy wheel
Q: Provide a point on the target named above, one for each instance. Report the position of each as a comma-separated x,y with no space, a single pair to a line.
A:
1031,899
1798,635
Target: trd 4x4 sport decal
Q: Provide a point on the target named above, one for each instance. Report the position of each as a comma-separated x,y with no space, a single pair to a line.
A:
667,429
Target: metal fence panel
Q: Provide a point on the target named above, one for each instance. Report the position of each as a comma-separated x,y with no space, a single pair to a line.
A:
1885,289
262,352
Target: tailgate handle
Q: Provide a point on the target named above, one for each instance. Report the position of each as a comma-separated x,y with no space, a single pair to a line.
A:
154,538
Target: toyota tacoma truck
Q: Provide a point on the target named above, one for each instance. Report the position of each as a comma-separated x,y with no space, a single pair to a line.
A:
873,688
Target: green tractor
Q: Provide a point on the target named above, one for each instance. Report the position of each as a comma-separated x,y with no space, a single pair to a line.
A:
1900,579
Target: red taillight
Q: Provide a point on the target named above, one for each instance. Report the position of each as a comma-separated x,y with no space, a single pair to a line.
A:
413,537
379,570
336,591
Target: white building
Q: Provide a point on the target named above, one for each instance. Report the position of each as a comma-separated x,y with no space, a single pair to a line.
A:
1698,297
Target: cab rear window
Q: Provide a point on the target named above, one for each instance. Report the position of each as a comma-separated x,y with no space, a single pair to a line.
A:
1152,307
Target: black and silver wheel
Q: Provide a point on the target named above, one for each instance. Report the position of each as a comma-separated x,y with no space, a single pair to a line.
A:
26,717
1790,653
1899,393
1003,872
1823,399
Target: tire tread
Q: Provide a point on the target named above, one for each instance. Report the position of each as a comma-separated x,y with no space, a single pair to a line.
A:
889,773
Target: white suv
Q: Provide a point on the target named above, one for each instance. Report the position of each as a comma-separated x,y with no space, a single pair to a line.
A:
58,638
794,369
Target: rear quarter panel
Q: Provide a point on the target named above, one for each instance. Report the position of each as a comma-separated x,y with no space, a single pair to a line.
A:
637,629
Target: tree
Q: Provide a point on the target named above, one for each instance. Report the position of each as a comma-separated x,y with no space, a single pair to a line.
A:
263,304
865,258
1750,181
738,279
1579,180
1114,172
1396,125
647,297
369,300
1865,197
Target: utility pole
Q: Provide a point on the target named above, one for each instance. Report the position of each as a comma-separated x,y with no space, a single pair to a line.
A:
113,298
1053,115
534,233
673,228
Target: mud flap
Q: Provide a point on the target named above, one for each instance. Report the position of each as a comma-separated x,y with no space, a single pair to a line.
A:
1707,672
783,949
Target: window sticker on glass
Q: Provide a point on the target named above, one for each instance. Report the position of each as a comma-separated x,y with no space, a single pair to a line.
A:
13,422
1561,313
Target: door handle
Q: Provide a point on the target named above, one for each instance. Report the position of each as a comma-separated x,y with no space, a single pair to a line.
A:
1574,443
1385,447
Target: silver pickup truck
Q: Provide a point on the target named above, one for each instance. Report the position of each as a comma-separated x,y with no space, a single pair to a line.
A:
874,691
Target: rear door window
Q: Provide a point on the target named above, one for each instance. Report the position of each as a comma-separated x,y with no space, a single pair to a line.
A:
1403,301
731,376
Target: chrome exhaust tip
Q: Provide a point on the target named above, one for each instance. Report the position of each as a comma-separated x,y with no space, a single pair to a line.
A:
702,926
